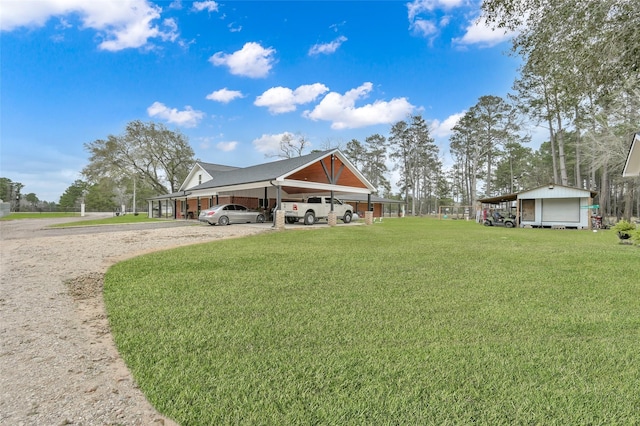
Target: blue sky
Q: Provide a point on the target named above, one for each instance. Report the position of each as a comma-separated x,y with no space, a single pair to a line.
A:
232,76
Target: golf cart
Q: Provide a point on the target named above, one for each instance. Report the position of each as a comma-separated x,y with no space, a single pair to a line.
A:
498,218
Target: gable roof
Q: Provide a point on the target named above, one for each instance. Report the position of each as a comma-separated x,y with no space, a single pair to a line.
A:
558,191
209,169
632,165
285,173
212,168
512,197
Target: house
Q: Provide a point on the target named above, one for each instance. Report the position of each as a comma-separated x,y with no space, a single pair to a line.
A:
632,165
550,206
263,186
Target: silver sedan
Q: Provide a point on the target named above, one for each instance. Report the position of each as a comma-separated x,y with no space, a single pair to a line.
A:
224,214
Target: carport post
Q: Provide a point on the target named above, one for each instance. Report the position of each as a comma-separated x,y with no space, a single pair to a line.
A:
278,217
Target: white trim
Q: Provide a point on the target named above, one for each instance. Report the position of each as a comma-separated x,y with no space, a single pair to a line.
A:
322,186
192,174
632,168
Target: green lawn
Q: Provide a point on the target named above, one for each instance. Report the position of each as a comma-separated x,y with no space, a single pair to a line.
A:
113,220
37,215
412,321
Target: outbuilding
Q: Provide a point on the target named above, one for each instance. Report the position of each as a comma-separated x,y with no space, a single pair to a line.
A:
549,206
556,206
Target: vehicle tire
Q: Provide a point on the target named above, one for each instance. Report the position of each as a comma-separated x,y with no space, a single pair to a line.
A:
224,220
291,220
487,223
309,218
347,217
260,218
508,224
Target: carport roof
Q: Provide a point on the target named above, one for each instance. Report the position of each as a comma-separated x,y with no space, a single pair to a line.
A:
514,196
259,173
499,198
280,171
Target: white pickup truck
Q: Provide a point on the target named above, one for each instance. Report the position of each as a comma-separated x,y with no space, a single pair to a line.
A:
314,208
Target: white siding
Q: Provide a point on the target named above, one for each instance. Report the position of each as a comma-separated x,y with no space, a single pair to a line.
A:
556,192
561,210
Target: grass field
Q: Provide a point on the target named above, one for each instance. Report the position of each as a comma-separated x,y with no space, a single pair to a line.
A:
412,321
112,220
37,215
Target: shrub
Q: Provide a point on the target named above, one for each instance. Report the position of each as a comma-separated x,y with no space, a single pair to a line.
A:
625,229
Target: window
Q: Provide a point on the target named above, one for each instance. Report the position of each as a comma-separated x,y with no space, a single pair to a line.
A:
199,179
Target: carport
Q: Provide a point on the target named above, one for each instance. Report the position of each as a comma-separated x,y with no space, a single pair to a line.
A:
506,202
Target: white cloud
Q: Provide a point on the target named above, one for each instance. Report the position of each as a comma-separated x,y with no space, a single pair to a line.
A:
282,99
431,25
478,32
327,48
424,27
342,112
120,25
269,144
187,118
252,60
442,129
224,95
234,28
227,146
417,7
209,6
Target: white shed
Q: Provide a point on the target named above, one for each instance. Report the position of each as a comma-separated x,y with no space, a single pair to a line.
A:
556,206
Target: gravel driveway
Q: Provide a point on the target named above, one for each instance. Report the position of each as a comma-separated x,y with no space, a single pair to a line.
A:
58,361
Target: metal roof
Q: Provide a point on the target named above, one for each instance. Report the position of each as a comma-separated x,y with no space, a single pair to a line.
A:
269,171
513,197
499,198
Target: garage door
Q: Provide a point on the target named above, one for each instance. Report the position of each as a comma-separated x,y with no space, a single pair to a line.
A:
561,210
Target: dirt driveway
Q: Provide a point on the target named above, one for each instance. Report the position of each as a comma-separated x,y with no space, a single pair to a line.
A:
58,362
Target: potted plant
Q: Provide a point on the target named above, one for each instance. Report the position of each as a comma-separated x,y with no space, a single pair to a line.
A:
624,229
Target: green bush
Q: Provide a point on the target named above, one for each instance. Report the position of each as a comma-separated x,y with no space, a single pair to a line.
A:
625,230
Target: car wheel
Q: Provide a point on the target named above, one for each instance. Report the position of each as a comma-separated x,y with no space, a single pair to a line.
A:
309,218
224,220
291,220
260,218
487,223
508,224
347,217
